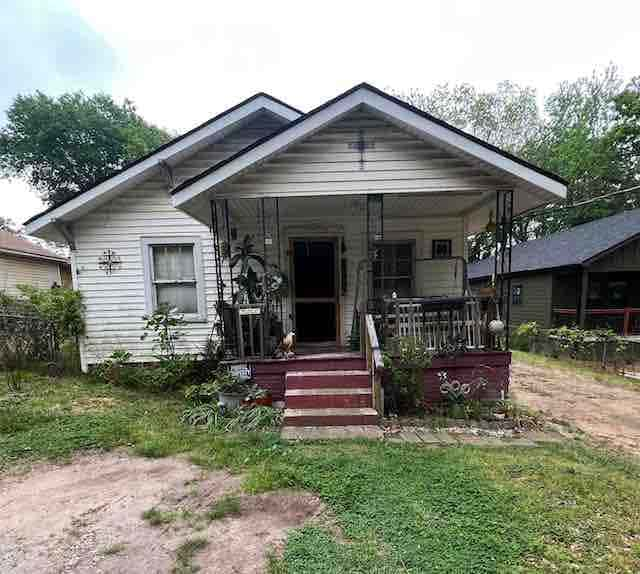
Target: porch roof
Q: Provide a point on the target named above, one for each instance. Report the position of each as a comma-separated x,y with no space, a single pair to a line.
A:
537,184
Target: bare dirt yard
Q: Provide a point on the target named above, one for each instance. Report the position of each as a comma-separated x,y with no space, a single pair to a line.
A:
87,516
606,412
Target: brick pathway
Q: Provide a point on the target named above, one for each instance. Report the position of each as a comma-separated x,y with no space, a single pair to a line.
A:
425,435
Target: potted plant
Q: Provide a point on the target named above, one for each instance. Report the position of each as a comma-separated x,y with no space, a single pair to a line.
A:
231,390
258,396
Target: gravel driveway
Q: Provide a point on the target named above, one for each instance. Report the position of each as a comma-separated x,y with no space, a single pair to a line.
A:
606,412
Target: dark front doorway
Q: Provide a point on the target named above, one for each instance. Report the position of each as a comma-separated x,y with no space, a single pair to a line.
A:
315,290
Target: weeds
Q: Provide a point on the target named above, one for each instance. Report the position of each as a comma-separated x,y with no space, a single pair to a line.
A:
185,554
228,505
156,517
114,549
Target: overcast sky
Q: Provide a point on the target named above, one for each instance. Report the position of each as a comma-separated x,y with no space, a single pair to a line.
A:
183,62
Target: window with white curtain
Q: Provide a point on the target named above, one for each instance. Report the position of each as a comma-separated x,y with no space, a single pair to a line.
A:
173,275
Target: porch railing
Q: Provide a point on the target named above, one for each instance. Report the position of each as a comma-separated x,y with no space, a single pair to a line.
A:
437,322
625,321
375,364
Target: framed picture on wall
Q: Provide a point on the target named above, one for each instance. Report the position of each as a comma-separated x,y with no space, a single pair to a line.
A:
441,248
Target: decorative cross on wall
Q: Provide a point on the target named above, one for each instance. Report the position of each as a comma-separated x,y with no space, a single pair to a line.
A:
361,145
109,261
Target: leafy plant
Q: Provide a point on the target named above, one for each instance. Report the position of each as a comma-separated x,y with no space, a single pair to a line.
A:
525,336
226,382
206,414
164,323
406,361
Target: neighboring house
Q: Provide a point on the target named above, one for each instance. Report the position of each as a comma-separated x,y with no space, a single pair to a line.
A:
364,176
22,262
588,275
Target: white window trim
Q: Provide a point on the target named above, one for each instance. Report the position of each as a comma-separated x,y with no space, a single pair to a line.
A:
147,261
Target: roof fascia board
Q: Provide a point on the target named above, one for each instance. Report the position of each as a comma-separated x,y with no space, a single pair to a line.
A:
26,255
272,145
610,250
516,274
314,121
461,142
139,169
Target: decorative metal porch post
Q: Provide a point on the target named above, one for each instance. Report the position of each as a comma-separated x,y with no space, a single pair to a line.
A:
375,233
502,259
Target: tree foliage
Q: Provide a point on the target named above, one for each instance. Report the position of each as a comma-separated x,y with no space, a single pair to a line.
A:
588,133
64,145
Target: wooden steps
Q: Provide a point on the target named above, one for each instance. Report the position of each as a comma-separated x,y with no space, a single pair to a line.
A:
328,398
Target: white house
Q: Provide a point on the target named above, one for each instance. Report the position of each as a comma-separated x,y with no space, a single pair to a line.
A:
363,196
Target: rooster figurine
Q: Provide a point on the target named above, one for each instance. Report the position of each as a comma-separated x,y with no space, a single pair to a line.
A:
287,345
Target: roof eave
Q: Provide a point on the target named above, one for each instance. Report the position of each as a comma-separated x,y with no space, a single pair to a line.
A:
141,168
547,185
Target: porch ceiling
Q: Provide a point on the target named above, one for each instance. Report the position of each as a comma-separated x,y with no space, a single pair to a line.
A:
395,206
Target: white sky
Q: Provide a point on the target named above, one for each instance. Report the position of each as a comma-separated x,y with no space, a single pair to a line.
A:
183,62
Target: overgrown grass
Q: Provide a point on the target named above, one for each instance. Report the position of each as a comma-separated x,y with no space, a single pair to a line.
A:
401,508
578,367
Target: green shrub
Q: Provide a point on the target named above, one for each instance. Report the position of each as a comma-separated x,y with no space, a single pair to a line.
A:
525,336
406,362
169,374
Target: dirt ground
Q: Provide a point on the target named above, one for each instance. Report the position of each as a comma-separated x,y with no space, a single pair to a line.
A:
86,516
608,413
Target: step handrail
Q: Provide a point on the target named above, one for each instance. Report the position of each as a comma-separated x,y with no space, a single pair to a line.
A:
375,363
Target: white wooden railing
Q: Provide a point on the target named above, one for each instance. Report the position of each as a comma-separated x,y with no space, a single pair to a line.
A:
375,364
437,327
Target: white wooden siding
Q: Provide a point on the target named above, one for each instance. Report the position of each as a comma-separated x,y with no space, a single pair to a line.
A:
397,162
26,271
115,304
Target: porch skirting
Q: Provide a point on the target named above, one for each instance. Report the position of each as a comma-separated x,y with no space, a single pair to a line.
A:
491,366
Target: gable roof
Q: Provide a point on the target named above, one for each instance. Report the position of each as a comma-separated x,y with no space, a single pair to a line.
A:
14,244
576,246
365,94
134,170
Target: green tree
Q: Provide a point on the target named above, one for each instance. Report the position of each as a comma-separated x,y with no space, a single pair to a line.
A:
507,117
64,145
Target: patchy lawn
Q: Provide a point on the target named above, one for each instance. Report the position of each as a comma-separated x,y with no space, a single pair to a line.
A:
393,508
603,405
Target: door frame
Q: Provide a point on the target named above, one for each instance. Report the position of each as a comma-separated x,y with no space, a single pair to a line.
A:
336,242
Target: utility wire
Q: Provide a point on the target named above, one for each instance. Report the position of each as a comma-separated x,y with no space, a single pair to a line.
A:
542,211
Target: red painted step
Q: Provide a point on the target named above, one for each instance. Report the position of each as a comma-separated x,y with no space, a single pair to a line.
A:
327,379
330,417
328,398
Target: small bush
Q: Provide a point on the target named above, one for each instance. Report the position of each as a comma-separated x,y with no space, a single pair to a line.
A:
525,336
169,374
406,362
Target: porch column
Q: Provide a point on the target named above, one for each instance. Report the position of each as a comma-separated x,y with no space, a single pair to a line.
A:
584,293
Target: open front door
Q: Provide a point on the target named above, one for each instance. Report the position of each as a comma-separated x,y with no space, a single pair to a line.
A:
315,290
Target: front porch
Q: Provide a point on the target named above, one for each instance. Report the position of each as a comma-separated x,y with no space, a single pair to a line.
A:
348,229
349,275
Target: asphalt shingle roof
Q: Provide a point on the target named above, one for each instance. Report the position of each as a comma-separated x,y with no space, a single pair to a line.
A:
572,247
16,244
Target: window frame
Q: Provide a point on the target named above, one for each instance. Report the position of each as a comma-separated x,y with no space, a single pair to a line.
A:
412,244
517,301
449,243
150,296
